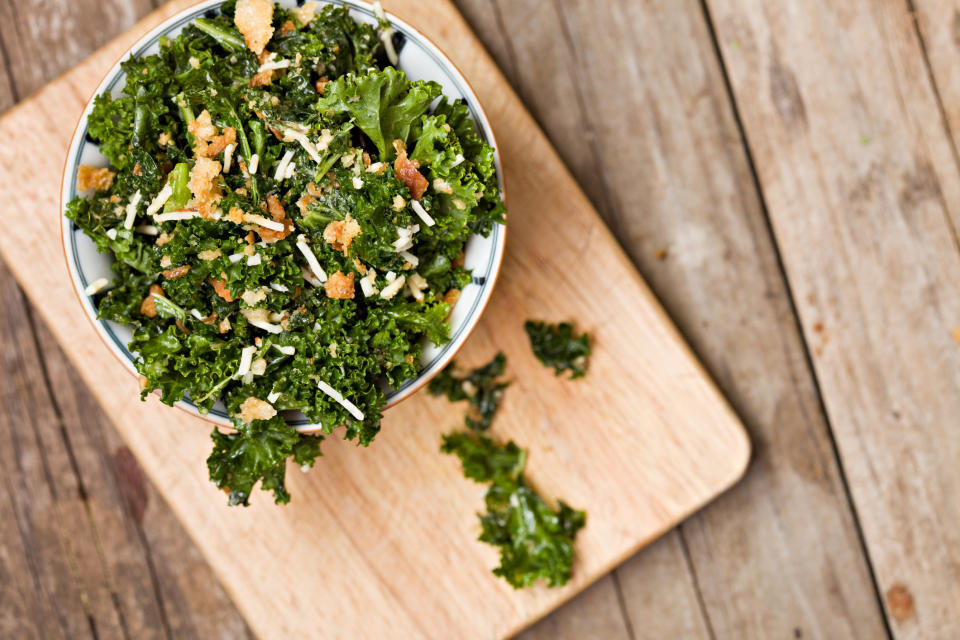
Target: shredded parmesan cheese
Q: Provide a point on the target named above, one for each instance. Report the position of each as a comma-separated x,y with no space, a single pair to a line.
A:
290,134
266,326
96,286
409,257
276,286
386,36
420,211
254,163
228,157
147,230
457,160
272,64
311,259
246,357
112,234
160,200
273,397
282,166
235,258
176,215
132,210
393,288
286,350
254,260
264,222
339,399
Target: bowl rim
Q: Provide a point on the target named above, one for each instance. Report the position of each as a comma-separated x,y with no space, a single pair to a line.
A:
152,35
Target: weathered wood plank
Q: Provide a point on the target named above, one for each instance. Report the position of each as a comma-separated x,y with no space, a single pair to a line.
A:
939,24
63,593
861,184
595,613
633,97
44,39
159,572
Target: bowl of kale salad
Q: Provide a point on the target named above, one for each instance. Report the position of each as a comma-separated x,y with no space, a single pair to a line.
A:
284,217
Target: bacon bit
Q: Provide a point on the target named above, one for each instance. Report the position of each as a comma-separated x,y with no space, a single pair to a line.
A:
320,84
137,170
148,307
255,408
220,287
339,234
407,173
287,27
279,215
204,186
339,286
210,319
254,19
92,178
176,272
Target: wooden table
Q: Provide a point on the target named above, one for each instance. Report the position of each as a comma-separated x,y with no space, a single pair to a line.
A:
785,176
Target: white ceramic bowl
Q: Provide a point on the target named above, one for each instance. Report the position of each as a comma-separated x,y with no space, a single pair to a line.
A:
421,60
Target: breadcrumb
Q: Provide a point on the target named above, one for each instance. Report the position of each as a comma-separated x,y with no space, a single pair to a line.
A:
148,307
204,186
305,13
93,178
209,254
208,143
254,19
254,408
278,214
339,286
176,272
339,234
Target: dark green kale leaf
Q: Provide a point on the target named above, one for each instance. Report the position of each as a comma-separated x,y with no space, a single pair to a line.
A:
382,103
556,346
480,387
258,451
535,540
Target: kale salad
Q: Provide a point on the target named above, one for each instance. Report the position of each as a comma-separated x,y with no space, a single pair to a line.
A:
288,213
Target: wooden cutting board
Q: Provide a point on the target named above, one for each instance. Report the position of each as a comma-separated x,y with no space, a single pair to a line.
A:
380,542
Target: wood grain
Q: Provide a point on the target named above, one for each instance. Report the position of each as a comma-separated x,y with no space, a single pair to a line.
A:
674,455
157,583
860,179
664,157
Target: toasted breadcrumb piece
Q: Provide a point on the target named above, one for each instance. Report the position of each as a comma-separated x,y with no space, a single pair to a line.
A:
254,408
164,238
287,27
224,325
204,186
407,173
320,84
254,19
451,297
164,139
339,234
339,286
176,272
235,215
278,214
305,13
165,261
148,307
93,178
220,287
209,254
253,298
210,319
207,142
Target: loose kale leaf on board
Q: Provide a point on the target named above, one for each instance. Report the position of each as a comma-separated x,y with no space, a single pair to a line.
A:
535,540
556,346
480,387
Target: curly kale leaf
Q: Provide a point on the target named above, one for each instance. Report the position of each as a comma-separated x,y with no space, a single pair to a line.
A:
258,452
534,539
382,103
481,388
556,346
